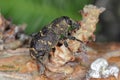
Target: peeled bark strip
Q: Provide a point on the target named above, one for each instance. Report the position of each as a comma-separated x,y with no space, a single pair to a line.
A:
90,17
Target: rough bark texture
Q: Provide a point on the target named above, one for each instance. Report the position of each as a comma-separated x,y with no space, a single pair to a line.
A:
66,63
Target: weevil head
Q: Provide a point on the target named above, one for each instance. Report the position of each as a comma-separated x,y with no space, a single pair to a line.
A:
72,23
62,24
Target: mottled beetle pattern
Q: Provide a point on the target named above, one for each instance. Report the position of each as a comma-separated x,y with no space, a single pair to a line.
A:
43,41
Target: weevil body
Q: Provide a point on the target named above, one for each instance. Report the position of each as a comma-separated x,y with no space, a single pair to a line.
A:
43,41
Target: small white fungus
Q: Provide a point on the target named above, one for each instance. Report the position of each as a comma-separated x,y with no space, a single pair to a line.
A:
99,64
101,69
94,74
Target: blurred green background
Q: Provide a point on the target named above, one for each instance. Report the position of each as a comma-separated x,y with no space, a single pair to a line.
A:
37,13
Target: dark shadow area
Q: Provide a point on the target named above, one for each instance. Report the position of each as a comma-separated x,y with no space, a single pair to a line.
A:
109,20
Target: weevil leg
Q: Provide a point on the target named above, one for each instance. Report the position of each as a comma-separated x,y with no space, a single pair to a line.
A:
41,67
82,43
73,38
40,62
63,40
46,57
65,43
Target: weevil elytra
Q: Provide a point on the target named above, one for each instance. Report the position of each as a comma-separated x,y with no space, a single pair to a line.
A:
43,41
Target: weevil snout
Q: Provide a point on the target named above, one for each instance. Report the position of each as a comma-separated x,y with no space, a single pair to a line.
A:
75,25
72,23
